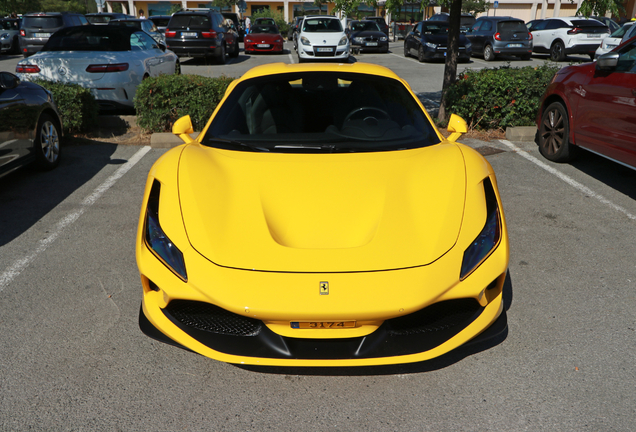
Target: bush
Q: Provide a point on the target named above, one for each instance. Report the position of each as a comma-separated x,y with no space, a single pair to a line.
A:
499,97
76,104
162,100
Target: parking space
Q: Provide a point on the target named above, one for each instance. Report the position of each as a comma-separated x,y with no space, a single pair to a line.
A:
73,357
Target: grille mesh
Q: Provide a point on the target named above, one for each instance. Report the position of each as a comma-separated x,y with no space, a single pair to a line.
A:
213,319
437,317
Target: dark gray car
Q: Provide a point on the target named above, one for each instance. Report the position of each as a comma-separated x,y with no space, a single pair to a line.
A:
30,125
38,27
9,35
491,36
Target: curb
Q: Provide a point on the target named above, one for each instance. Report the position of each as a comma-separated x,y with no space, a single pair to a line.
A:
521,133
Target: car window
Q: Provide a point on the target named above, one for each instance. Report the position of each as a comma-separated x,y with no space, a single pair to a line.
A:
435,28
322,25
142,41
627,59
486,26
83,20
419,28
365,26
555,24
88,38
541,25
476,26
264,29
192,21
285,113
76,20
511,26
43,22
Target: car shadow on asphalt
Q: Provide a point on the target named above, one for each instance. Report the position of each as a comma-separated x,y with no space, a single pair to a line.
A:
28,194
490,338
614,175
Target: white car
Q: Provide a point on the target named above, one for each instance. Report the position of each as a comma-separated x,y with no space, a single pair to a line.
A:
613,40
568,35
322,37
109,60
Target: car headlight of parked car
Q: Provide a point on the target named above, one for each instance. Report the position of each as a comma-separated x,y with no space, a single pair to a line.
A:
343,41
156,239
248,40
431,45
468,45
4,36
358,39
304,41
489,236
383,38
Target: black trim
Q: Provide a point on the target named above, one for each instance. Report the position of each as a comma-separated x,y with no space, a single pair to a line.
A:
152,332
410,334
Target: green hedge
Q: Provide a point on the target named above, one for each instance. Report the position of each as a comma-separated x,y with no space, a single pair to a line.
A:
499,97
162,100
76,104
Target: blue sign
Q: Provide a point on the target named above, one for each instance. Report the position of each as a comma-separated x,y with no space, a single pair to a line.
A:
496,5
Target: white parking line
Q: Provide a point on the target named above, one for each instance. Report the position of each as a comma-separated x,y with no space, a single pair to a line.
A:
19,265
569,180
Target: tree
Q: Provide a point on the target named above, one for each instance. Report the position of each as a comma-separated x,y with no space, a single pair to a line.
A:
346,6
450,66
475,6
7,7
62,5
601,7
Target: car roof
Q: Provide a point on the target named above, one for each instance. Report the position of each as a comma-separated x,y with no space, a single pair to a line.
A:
282,68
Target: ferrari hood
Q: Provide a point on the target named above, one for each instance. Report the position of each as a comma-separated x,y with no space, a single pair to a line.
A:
322,213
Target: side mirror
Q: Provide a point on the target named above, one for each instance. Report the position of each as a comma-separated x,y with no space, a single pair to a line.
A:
8,81
607,62
457,126
183,128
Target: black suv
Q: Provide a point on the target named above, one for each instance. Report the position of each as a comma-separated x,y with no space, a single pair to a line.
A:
491,36
201,33
39,26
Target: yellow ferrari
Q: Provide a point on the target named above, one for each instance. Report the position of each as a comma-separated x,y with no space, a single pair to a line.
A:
320,219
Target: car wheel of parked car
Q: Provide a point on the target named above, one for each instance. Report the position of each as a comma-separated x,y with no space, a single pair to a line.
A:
557,51
47,143
236,50
420,54
554,133
489,54
406,51
221,58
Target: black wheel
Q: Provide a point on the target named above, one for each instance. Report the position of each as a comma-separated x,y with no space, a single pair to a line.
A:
420,54
221,58
489,54
16,46
47,143
235,51
557,51
406,51
554,141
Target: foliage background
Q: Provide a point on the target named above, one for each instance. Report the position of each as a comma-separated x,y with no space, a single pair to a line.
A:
76,105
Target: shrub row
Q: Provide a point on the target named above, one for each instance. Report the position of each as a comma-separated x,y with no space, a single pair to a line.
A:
162,100
499,97
76,105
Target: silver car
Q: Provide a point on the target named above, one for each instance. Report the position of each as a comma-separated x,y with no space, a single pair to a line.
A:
9,33
109,60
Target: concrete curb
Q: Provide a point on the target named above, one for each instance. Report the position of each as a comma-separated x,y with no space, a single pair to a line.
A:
521,133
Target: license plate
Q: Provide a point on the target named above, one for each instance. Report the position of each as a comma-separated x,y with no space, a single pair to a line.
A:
325,50
189,34
262,46
372,44
42,35
515,45
593,35
322,324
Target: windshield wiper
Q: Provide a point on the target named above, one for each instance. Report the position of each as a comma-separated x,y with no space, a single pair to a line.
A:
237,143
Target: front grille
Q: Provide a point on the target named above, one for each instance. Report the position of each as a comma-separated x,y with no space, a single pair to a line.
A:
210,318
438,317
318,53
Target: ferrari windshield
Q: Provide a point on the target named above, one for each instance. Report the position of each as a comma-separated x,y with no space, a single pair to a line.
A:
320,112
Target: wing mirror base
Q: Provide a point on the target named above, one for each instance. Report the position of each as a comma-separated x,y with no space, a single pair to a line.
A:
457,127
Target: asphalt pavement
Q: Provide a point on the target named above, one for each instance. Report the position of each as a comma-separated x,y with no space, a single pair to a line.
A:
72,356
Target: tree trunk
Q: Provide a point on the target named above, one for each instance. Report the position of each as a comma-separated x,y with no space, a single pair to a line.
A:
452,51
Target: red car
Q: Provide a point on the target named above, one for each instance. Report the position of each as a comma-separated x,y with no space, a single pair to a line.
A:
592,106
263,38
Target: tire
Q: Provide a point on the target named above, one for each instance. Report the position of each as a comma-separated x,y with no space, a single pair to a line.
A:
489,54
406,51
16,46
235,51
554,134
47,143
557,51
420,54
221,58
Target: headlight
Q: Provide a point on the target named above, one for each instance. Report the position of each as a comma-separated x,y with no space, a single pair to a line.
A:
278,41
358,39
489,236
343,41
304,40
4,36
157,240
469,45
383,38
248,40
431,45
